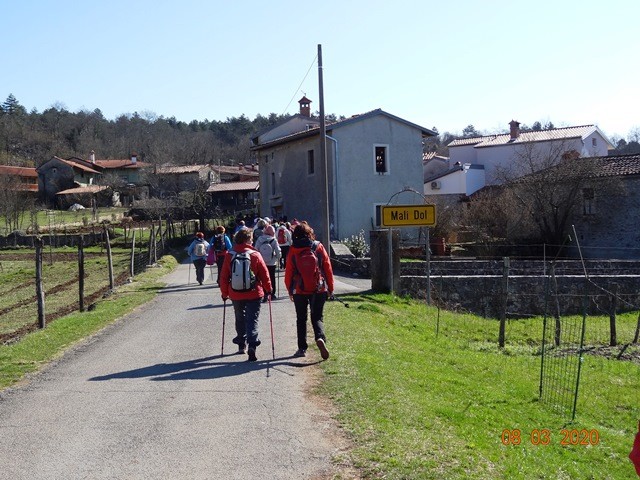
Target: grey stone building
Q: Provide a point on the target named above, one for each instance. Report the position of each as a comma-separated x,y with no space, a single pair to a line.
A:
370,157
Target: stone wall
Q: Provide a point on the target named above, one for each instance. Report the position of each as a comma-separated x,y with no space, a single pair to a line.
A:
526,294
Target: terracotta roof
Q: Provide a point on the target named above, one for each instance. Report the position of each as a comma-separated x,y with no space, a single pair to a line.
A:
526,137
244,169
332,126
613,165
73,164
234,187
176,169
87,189
127,163
18,171
426,156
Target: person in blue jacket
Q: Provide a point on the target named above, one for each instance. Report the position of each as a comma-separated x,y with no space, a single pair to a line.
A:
198,252
221,244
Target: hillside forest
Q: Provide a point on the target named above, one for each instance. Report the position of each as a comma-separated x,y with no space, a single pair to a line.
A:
30,138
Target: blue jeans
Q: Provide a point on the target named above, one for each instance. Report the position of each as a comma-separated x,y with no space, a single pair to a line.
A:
316,305
247,312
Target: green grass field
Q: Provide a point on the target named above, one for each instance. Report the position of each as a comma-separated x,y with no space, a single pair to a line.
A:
59,219
419,406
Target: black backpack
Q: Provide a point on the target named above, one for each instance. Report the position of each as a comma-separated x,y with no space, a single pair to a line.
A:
219,244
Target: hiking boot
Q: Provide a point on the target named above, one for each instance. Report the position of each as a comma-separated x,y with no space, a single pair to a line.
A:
300,353
324,353
242,349
252,354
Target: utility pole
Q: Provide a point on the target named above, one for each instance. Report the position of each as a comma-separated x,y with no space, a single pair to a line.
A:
326,233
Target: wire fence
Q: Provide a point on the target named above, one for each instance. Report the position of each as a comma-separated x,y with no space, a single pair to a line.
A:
40,284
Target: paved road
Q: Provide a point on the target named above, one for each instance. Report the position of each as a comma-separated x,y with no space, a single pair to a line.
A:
152,398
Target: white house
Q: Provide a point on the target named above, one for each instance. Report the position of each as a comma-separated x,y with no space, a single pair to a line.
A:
370,157
499,155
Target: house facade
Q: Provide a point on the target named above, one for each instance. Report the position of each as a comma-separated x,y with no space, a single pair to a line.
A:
605,221
173,179
502,156
125,178
58,174
23,180
370,158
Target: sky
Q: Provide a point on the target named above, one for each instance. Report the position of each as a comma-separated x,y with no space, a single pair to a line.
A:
443,64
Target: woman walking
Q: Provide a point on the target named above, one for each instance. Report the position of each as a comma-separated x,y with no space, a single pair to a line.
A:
309,280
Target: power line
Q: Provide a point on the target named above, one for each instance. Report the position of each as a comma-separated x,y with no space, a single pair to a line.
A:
298,89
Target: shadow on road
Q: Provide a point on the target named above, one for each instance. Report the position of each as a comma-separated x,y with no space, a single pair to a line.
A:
205,368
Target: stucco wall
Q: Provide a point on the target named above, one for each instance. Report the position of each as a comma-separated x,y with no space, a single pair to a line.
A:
359,187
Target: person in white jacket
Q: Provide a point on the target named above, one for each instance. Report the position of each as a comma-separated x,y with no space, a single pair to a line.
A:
268,247
283,235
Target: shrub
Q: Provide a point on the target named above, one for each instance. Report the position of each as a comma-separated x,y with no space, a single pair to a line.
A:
357,244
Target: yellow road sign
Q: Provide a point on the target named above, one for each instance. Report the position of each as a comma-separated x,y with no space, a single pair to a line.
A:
408,216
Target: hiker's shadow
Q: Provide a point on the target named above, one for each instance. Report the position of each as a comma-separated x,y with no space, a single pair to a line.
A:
218,366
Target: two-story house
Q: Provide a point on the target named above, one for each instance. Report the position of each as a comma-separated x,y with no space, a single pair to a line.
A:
491,159
23,180
370,158
57,174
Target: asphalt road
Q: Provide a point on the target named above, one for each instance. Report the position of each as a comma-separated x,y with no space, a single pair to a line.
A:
151,397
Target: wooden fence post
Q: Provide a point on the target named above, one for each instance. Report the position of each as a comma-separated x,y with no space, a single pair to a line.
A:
505,296
81,272
133,252
39,288
109,257
613,337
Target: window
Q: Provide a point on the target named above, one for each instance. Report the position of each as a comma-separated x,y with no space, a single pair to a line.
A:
311,168
381,157
588,206
273,183
594,142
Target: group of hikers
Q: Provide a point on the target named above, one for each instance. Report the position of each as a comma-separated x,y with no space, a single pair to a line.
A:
246,275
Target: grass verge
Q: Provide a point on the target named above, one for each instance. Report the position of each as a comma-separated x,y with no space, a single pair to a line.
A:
419,406
38,348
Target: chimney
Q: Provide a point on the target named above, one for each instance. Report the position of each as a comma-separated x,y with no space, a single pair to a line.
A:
305,106
93,156
514,128
134,158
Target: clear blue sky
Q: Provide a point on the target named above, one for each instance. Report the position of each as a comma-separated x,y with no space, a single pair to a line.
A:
446,64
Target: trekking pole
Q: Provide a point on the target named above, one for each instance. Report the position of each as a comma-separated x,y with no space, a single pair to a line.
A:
273,345
341,301
224,315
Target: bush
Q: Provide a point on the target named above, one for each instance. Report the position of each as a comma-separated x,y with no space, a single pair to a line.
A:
357,244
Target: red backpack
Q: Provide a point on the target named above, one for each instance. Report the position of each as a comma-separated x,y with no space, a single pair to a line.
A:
308,276
282,237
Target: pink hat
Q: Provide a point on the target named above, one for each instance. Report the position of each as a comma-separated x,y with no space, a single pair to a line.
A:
268,230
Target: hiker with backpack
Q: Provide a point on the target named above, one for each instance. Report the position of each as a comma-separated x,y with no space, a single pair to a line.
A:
198,250
309,280
283,234
245,280
268,247
221,244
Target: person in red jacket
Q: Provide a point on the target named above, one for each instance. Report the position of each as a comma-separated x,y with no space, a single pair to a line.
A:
246,302
309,280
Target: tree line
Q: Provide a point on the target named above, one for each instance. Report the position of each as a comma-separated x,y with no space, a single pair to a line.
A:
30,138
